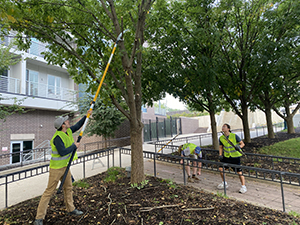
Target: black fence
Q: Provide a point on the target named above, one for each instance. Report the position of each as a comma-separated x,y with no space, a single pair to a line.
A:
39,155
277,176
200,138
161,128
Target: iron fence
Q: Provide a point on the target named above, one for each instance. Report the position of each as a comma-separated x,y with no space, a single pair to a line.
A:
281,177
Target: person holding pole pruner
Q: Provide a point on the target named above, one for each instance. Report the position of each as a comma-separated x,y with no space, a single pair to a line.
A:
192,151
230,152
62,145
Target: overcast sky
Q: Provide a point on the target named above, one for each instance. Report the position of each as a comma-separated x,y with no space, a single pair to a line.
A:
173,103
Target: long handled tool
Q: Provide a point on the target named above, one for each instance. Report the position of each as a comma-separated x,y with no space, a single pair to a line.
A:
168,142
88,114
236,148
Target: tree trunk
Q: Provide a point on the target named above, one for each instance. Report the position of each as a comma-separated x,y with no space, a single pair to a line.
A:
290,124
268,114
137,159
214,130
247,138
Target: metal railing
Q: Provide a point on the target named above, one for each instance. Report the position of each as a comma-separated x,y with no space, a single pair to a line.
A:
48,91
254,132
9,84
8,178
253,172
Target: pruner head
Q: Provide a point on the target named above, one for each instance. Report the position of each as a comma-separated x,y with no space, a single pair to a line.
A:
121,35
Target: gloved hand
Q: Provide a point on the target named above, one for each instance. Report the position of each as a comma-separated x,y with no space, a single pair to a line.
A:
220,157
237,146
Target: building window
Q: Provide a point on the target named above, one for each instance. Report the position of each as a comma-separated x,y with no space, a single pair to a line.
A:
32,82
54,86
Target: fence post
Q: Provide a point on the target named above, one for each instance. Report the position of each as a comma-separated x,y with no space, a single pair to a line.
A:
165,128
224,180
6,190
120,158
282,193
157,129
171,126
107,152
155,163
150,129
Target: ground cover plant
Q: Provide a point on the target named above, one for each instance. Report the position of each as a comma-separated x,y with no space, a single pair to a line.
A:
110,198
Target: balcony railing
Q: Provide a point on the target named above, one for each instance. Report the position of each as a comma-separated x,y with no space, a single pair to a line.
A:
8,84
49,91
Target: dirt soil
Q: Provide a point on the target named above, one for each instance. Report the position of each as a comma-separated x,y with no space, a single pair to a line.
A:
156,202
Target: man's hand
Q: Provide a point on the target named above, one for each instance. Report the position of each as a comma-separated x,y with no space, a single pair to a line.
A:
77,144
90,111
181,161
220,157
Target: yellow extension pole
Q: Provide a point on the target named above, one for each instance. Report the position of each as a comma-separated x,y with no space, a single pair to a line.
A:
167,143
88,114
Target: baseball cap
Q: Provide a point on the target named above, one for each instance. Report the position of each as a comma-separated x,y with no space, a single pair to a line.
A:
59,121
197,150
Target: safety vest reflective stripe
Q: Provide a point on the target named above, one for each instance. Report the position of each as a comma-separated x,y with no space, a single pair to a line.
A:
60,158
229,149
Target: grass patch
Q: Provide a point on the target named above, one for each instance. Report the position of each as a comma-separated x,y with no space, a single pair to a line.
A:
81,183
289,148
114,173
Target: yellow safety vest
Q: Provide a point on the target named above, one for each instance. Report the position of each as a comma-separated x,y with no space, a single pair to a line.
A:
191,146
57,161
229,151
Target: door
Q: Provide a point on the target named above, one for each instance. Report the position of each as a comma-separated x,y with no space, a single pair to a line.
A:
16,147
21,151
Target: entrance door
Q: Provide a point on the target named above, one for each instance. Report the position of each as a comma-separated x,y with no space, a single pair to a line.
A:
19,149
16,147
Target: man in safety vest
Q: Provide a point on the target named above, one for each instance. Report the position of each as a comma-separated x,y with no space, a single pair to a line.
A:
192,151
231,155
62,145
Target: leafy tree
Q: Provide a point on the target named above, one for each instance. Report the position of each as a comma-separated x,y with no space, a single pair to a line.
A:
106,117
79,35
183,54
277,57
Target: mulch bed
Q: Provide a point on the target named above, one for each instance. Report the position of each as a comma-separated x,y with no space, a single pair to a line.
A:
158,202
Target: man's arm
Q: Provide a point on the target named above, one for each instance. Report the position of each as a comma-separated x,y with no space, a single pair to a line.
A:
78,125
62,150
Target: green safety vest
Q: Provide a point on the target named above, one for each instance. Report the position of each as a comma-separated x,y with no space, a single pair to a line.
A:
191,146
229,151
57,161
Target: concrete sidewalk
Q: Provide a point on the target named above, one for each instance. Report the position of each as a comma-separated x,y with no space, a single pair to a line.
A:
262,193
259,192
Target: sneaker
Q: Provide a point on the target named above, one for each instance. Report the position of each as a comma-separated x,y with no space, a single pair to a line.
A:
221,186
196,178
190,180
38,222
243,189
76,212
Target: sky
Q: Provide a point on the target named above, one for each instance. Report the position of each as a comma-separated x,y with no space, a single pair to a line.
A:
173,103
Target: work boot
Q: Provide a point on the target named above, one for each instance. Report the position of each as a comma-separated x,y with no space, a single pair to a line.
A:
190,180
194,177
76,212
38,222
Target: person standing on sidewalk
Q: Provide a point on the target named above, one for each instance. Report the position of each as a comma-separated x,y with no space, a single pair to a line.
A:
62,145
231,155
193,151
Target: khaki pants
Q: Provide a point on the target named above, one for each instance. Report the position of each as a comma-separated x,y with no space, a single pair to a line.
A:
54,176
